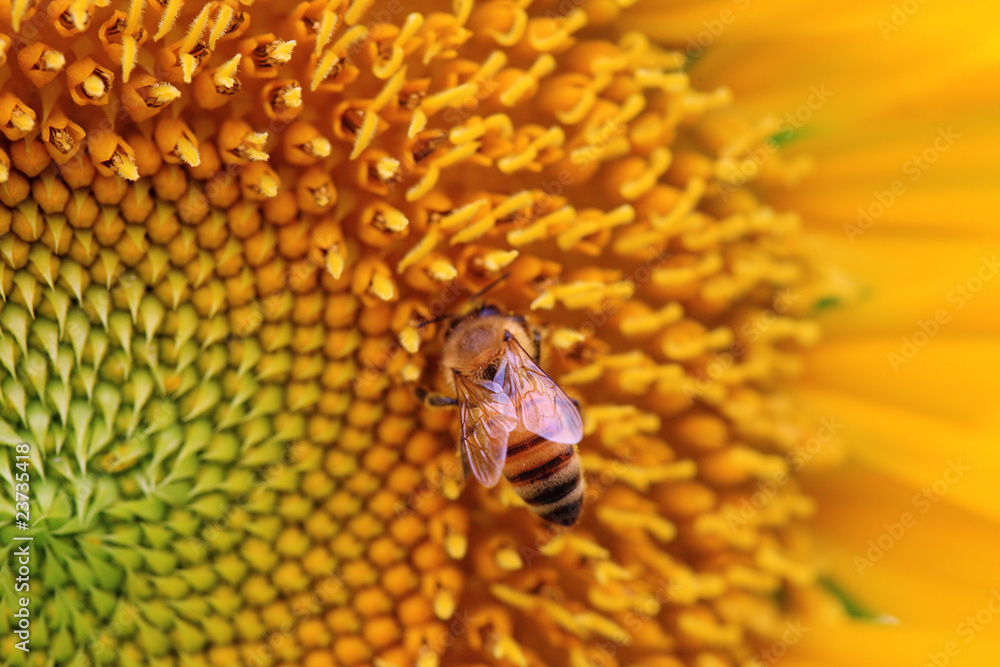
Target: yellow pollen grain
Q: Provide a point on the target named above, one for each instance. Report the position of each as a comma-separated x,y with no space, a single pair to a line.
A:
124,165
444,605
94,87
394,220
410,372
80,12
507,558
225,74
442,270
163,93
252,146
51,61
279,52
335,263
409,338
496,260
22,121
318,148
565,339
387,168
290,97
187,152
383,287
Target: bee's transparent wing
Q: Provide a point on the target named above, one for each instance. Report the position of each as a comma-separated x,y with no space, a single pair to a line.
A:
487,417
543,407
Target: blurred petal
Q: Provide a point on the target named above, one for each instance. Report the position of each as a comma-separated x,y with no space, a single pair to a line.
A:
934,571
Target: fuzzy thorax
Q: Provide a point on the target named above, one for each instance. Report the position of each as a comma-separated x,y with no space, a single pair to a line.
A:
475,342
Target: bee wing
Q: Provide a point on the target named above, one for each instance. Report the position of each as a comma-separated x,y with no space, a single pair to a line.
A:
544,407
488,416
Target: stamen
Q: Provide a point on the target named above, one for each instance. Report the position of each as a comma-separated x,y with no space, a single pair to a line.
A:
387,169
286,96
223,19
168,18
16,118
93,87
195,31
62,137
316,193
123,165
76,16
18,12
318,148
259,181
239,143
177,142
328,65
159,94
50,60
304,145
326,26
273,54
224,76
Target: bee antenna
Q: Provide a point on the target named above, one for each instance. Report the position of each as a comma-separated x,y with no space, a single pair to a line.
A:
490,286
471,298
432,321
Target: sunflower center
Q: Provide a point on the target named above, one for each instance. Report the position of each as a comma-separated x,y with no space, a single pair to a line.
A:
218,240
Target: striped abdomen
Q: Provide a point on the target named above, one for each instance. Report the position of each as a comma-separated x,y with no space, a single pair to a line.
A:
546,475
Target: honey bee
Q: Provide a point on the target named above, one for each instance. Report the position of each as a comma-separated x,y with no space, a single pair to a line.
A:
515,419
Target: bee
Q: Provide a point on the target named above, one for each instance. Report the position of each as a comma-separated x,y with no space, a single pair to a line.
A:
515,419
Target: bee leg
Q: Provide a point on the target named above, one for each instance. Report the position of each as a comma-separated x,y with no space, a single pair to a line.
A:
538,346
435,400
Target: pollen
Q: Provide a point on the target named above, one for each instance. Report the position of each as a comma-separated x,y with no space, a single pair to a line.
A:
227,230
162,93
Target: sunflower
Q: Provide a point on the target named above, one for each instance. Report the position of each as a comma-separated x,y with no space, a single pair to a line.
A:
226,227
